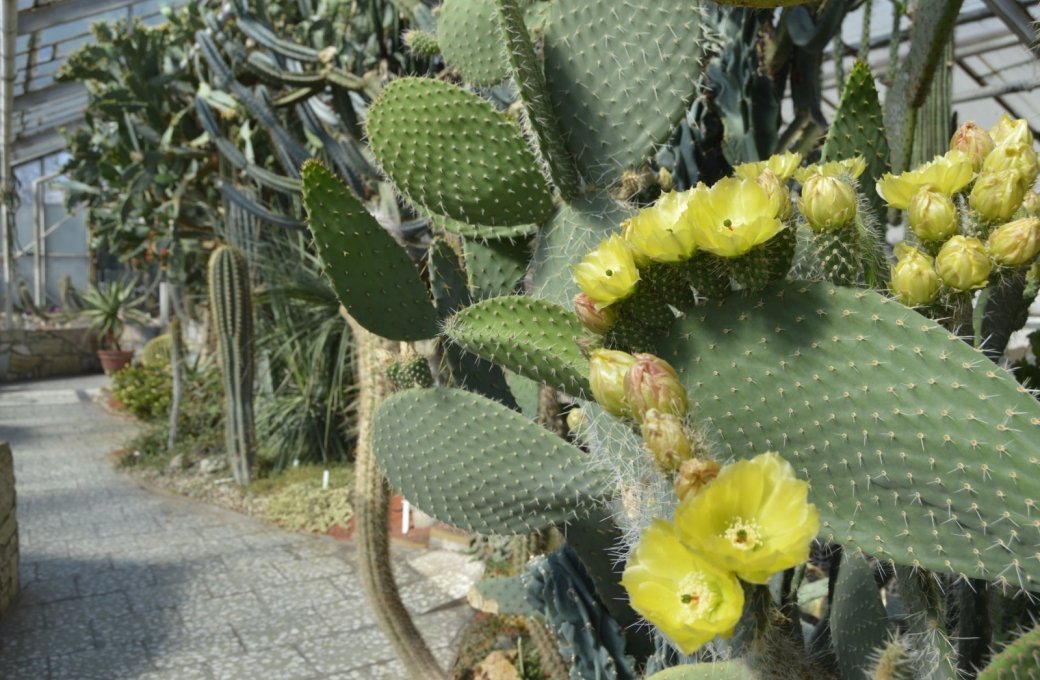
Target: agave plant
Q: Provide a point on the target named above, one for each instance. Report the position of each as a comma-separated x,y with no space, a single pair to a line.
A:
110,306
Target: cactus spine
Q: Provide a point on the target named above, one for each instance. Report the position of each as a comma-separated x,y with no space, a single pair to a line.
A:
231,303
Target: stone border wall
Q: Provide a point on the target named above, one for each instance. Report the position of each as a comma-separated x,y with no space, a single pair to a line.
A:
8,531
32,354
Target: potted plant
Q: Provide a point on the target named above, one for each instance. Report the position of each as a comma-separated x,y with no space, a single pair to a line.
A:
110,306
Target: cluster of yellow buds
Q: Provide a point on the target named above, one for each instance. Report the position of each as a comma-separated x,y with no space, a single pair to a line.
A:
996,169
751,521
647,389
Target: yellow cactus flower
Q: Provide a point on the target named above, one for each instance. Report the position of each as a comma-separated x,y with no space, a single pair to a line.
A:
914,280
777,190
997,195
608,273
1015,243
733,216
607,371
963,264
946,174
974,141
687,597
755,519
850,167
1010,130
783,165
658,233
1020,157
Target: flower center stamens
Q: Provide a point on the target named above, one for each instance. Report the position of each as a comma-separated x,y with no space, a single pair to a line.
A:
728,223
744,535
695,595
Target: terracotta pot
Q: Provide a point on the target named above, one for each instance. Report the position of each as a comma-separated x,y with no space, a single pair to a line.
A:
113,360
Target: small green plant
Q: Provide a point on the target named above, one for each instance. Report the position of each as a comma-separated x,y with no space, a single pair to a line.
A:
110,307
144,390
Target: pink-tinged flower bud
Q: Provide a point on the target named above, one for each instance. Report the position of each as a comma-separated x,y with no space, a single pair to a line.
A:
607,370
599,321
974,141
694,474
1019,157
933,216
997,195
777,191
664,437
962,263
652,383
828,203
1015,243
914,280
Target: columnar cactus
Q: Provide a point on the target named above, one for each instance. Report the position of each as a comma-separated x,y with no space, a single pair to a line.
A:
231,306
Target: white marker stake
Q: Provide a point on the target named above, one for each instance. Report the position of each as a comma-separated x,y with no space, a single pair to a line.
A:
406,516
325,481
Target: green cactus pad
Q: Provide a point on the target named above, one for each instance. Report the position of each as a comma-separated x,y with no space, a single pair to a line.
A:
858,623
719,670
918,448
495,267
859,130
450,294
504,595
467,32
1019,661
449,152
577,228
535,338
372,275
475,464
620,76
483,232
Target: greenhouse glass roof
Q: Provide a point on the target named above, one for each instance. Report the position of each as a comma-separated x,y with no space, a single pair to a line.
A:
997,62
48,31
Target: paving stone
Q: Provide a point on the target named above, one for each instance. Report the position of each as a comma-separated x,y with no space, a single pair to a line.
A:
276,663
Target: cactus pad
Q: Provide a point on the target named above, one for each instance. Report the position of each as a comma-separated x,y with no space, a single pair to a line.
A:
1019,661
917,447
535,338
492,470
373,276
503,595
467,32
495,267
858,623
859,130
616,110
449,152
577,228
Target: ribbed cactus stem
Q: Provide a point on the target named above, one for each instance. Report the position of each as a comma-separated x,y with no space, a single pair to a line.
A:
553,665
932,131
231,304
371,508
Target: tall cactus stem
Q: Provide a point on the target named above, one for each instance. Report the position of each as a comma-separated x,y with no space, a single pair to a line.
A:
231,303
372,507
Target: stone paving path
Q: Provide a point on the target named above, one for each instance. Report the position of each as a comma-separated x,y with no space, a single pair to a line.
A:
121,583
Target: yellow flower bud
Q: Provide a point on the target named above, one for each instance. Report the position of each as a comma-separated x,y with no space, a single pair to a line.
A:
608,273
914,280
597,319
664,437
1015,243
607,369
652,383
576,420
997,195
974,141
1019,157
827,203
693,475
658,233
1031,204
1010,130
962,263
777,191
933,216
